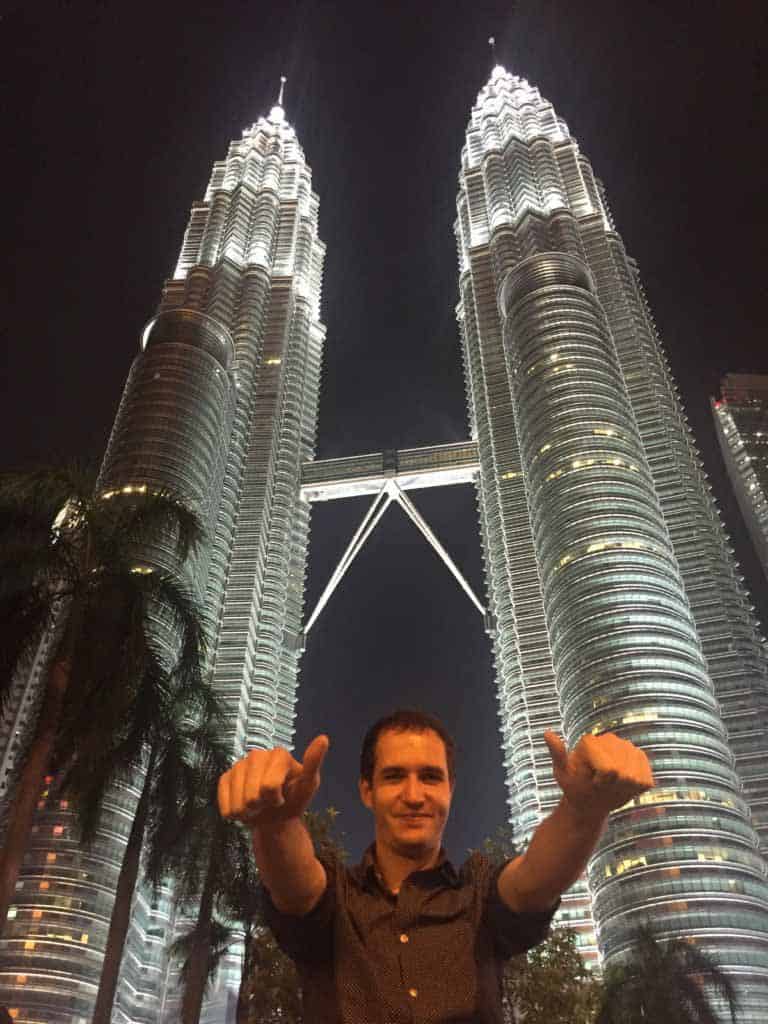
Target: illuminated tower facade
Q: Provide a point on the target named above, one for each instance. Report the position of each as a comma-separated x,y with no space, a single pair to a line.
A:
220,408
741,424
616,600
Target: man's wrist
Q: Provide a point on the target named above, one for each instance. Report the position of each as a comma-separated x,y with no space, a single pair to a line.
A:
274,828
583,814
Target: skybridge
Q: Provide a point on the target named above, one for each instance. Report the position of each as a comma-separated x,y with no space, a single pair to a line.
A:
389,475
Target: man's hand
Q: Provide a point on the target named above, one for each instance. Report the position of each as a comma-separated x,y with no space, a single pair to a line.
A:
601,773
270,786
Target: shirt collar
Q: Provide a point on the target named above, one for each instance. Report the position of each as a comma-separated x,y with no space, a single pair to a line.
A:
367,875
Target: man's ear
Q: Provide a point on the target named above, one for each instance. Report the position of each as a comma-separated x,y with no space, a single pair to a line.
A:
366,794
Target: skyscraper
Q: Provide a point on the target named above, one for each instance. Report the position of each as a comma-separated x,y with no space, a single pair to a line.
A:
616,598
220,408
741,424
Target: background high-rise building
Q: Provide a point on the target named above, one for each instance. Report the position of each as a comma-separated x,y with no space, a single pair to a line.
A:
616,598
220,408
741,424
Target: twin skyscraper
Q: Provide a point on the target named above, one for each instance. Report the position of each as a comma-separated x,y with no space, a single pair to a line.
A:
613,598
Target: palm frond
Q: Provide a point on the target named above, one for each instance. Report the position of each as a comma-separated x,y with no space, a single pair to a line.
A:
177,837
159,516
148,524
664,978
37,563
39,495
24,619
220,939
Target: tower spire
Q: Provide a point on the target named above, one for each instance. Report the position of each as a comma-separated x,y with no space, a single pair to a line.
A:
277,114
492,44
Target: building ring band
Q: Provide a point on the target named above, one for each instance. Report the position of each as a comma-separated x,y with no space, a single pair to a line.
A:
190,327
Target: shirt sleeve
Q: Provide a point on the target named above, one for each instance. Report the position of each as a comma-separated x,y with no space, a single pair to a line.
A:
307,938
513,932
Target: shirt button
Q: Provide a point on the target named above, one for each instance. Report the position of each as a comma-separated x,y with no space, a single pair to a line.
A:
404,938
413,992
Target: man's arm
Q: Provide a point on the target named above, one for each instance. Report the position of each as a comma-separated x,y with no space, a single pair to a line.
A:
269,791
600,774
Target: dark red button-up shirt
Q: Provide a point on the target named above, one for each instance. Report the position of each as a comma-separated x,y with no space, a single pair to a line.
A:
432,954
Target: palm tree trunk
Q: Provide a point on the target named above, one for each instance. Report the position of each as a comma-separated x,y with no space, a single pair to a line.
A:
242,995
30,785
121,911
197,965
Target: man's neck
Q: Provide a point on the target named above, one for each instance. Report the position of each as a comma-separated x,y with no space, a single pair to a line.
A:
394,868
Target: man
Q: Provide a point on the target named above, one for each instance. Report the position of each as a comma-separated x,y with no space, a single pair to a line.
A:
403,937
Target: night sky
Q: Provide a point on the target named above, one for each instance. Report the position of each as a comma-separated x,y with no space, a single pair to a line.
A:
112,115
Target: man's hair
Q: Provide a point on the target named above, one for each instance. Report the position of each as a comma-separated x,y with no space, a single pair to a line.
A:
404,720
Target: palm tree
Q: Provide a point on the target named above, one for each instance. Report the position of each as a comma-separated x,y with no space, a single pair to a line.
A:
230,911
219,876
70,578
171,740
665,980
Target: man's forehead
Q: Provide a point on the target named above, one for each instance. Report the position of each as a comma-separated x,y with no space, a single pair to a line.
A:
410,748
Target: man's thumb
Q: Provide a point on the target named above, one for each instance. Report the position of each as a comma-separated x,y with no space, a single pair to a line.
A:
314,755
557,750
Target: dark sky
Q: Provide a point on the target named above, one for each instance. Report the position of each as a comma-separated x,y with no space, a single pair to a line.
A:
112,114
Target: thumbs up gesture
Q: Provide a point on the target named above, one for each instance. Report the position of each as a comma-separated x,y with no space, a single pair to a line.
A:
601,773
270,786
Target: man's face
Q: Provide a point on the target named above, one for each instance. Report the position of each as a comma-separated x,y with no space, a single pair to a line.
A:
411,793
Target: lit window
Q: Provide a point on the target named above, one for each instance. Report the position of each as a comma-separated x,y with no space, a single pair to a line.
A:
50,858
714,855
58,830
44,885
21,979
64,804
12,913
29,944
37,914
646,715
84,938
273,361
13,1012
630,862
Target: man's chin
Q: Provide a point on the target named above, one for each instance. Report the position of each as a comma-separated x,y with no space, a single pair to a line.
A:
415,848
412,851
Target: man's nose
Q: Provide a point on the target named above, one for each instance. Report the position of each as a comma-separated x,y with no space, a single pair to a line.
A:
413,791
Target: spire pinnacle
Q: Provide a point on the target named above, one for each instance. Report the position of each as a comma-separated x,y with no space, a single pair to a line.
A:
497,68
277,114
